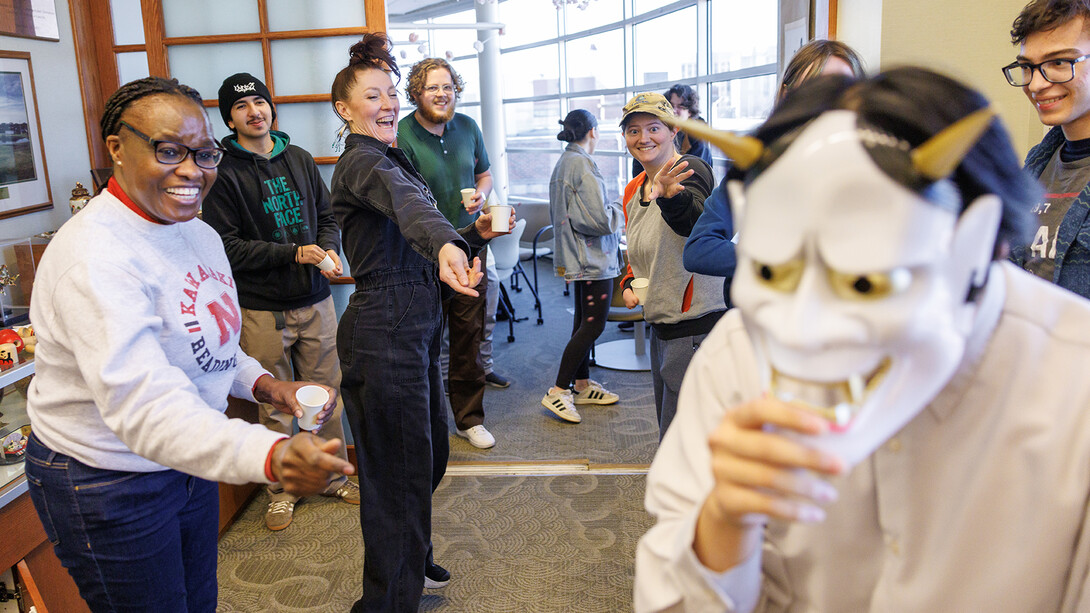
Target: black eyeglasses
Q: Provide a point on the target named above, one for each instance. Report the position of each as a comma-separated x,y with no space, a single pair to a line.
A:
174,153
1060,70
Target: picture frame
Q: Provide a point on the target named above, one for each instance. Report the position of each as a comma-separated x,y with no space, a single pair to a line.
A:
35,19
24,178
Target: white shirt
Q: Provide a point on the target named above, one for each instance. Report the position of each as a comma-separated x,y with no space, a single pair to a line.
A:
978,504
138,326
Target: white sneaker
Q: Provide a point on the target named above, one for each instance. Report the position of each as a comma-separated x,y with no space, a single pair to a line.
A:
595,394
560,403
478,436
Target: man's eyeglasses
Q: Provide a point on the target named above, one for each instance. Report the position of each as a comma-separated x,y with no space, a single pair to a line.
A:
1019,74
173,153
434,89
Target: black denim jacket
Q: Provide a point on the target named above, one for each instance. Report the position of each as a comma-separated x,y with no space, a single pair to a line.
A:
391,230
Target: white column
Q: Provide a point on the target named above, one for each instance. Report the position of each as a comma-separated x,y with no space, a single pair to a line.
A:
495,136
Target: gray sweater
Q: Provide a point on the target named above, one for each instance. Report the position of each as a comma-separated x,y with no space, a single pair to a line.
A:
657,231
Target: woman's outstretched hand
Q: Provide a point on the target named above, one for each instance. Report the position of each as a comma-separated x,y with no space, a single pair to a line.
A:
454,270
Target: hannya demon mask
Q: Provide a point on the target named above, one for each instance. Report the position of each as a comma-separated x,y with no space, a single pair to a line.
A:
855,270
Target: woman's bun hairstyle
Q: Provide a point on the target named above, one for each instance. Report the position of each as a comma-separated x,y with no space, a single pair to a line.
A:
372,51
576,126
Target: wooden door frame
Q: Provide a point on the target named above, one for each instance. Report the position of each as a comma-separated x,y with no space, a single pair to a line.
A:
96,64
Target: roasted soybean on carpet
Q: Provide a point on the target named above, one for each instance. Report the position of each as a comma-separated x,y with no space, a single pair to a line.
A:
513,544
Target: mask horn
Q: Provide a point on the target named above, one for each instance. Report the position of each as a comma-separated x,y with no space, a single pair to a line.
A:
743,150
941,154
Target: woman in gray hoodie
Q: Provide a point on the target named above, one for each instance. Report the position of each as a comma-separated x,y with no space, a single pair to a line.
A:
587,234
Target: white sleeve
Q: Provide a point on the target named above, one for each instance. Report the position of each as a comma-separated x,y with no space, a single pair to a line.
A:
669,577
246,375
109,324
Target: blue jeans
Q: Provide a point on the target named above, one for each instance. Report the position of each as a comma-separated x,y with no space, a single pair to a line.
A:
131,541
388,342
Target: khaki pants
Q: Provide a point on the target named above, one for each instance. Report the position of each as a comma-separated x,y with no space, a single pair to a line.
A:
304,350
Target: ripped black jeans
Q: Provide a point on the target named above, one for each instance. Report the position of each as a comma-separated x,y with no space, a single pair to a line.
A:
592,300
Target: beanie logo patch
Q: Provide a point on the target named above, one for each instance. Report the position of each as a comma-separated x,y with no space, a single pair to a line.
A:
249,87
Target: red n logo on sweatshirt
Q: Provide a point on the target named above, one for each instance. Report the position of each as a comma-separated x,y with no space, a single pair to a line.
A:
227,316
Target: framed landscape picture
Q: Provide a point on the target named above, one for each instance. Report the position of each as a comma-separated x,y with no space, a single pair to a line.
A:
24,181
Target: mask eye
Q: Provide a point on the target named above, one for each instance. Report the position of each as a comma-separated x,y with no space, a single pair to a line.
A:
780,277
869,286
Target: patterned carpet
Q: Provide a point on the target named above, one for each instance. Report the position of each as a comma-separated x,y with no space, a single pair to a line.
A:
513,543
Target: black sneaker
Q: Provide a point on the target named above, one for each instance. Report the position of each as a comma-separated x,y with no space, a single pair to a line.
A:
435,576
496,381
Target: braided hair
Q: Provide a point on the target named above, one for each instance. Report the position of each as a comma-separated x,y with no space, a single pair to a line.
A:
132,91
372,51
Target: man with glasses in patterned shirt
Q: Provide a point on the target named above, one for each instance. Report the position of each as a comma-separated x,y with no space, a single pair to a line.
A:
1051,68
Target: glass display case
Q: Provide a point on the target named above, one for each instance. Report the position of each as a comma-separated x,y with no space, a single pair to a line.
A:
14,428
18,259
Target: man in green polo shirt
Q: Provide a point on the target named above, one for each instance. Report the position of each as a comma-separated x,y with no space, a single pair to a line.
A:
448,150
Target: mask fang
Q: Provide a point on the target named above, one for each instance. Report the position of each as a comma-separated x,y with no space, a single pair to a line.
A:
938,157
743,150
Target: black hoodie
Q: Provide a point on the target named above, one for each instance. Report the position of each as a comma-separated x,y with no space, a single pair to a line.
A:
263,208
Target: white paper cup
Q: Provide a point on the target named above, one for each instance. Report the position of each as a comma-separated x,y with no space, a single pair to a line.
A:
639,285
501,218
312,398
467,196
327,264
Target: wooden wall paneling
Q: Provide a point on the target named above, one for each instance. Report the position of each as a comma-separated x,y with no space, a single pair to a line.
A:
22,520
58,591
234,498
92,30
154,36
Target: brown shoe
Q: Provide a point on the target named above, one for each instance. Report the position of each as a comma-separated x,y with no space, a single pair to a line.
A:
281,509
347,491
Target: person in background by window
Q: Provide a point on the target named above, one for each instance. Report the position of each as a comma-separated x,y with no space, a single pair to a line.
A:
660,206
399,247
686,103
586,244
447,149
709,250
137,319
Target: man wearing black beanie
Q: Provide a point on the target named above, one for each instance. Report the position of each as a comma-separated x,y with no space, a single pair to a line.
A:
271,207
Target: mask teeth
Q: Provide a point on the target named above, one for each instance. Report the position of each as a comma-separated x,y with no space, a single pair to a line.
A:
856,388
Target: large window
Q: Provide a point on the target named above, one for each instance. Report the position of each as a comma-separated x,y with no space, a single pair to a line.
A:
554,60
616,48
